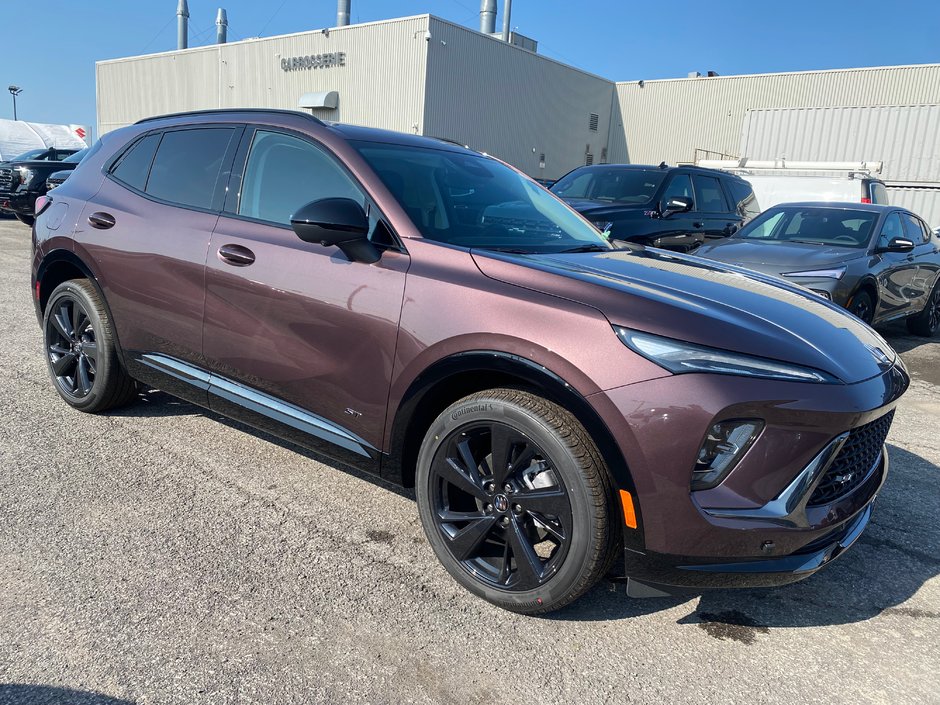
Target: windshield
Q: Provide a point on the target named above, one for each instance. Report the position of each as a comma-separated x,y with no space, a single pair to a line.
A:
614,185
33,155
824,226
77,157
475,201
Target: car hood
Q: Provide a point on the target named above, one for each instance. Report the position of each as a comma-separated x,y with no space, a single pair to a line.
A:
778,256
703,302
592,209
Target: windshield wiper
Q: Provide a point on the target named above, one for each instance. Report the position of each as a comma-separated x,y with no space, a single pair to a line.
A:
593,247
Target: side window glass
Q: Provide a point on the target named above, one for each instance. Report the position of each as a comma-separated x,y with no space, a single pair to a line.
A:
878,192
187,165
284,173
708,195
679,185
134,167
890,230
915,233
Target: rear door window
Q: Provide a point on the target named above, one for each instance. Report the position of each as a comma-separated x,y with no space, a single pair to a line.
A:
916,232
745,203
134,167
708,195
187,166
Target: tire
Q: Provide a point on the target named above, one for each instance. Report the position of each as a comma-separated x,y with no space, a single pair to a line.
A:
555,509
863,306
25,219
80,350
927,321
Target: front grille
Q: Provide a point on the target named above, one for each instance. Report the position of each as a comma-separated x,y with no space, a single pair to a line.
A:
6,179
850,468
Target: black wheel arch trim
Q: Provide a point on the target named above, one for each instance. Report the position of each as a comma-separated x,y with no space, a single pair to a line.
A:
507,365
68,257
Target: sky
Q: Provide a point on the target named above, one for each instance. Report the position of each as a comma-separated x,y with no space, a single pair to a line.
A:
51,46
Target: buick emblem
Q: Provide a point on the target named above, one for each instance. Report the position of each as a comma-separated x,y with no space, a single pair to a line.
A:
501,503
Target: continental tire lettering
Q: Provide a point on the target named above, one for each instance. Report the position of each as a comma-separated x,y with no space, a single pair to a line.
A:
470,409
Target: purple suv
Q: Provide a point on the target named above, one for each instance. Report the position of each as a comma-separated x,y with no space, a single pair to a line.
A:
563,408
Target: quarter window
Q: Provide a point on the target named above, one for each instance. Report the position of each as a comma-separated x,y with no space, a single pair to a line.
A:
134,167
284,173
708,195
916,232
187,166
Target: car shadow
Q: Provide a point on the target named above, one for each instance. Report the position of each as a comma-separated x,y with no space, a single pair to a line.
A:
27,694
897,554
156,404
900,338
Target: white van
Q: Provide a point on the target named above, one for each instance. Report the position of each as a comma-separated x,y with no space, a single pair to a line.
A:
771,189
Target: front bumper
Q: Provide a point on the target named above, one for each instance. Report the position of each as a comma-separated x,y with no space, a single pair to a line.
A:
20,201
757,527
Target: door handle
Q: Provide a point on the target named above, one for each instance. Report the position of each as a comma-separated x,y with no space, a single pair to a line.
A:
236,255
101,220
698,224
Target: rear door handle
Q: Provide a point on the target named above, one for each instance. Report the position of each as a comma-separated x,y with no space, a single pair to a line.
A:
101,220
236,255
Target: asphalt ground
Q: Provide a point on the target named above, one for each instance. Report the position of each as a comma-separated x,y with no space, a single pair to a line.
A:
161,554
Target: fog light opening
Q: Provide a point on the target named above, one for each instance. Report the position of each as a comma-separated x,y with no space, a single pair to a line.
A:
725,444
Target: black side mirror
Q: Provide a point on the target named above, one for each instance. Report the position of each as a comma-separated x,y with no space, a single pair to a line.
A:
676,204
339,222
897,244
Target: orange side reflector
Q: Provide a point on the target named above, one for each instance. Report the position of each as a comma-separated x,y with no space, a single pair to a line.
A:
629,513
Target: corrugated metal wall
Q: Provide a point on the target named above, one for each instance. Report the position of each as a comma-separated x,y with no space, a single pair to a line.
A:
923,201
382,83
669,119
905,137
513,104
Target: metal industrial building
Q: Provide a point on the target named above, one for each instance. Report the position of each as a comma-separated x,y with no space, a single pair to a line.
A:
428,76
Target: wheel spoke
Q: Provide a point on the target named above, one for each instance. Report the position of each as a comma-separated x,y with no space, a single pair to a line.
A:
505,571
90,349
57,349
63,365
83,381
79,320
500,448
528,564
62,321
464,543
471,466
450,471
552,527
450,516
553,501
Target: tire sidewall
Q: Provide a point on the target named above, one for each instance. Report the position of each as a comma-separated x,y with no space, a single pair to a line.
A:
487,409
77,291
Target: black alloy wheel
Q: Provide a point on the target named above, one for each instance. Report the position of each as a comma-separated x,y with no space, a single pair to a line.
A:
927,321
503,512
71,344
862,306
516,500
81,352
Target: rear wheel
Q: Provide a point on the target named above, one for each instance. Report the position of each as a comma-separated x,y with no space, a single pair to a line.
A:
516,500
863,306
927,321
80,350
26,219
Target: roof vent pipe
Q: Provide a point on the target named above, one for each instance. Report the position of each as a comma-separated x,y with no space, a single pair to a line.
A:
507,14
182,25
221,27
488,16
342,12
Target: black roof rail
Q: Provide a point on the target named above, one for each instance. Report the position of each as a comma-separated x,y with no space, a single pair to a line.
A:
229,111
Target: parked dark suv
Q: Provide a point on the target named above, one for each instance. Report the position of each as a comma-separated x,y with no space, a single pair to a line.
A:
677,208
562,407
23,180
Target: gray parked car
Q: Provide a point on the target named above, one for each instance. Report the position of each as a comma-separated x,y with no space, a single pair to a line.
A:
880,262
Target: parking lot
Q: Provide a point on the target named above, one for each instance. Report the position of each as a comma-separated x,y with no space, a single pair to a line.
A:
161,554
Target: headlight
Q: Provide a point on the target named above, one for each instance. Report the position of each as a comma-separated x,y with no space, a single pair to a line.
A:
679,357
25,174
833,273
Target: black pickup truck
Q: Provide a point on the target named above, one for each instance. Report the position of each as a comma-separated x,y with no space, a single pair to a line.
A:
23,180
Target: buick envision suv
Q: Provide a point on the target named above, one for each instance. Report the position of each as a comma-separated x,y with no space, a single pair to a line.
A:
563,408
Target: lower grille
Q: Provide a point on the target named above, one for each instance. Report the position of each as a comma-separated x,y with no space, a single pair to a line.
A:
6,179
859,454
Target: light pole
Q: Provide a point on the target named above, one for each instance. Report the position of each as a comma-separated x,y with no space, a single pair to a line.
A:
14,91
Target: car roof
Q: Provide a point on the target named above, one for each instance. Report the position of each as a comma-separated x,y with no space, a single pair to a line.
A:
868,207
665,168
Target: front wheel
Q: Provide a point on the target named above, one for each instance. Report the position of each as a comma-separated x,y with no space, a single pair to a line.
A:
927,321
80,350
516,501
863,306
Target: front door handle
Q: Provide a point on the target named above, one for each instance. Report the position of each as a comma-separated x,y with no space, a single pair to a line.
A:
101,220
236,255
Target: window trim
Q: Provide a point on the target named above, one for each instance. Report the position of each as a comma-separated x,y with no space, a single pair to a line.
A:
240,165
222,179
721,191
